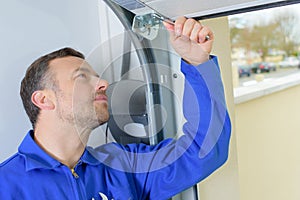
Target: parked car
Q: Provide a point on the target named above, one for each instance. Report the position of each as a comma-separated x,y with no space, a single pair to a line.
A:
244,70
290,62
260,67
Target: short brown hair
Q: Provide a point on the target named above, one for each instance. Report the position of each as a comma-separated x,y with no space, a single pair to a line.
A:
37,77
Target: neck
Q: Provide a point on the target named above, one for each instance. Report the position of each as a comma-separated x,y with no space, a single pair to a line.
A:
64,143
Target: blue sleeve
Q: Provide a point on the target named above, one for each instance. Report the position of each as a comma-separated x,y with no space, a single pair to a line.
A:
204,147
163,170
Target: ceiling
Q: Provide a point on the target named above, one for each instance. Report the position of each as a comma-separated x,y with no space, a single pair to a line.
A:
192,8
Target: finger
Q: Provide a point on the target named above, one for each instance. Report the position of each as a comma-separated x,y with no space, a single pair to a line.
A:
195,32
171,29
179,23
188,27
168,26
205,34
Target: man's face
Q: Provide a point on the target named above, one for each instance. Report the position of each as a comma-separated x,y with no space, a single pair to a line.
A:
80,93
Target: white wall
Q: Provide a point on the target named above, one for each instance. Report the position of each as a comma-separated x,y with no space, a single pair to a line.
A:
33,28
28,30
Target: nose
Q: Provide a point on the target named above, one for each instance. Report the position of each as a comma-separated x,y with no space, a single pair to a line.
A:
101,85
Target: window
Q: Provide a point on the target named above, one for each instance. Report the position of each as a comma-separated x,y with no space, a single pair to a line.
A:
265,47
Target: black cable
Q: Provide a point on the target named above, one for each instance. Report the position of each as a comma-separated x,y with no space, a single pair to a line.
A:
106,133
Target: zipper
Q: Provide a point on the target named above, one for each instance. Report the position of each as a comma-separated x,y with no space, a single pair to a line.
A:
75,175
77,183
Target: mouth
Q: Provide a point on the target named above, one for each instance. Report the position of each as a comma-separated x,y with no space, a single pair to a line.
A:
101,97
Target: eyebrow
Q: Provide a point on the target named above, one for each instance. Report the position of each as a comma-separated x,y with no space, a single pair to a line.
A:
85,70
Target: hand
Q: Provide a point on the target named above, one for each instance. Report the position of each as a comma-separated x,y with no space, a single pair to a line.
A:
189,39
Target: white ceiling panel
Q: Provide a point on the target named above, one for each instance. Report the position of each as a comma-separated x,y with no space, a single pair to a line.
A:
191,8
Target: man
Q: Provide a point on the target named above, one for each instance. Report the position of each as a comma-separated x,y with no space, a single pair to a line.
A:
65,100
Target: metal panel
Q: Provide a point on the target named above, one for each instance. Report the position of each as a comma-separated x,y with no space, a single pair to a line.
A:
193,8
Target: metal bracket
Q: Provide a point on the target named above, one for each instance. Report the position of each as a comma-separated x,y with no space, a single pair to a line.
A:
146,25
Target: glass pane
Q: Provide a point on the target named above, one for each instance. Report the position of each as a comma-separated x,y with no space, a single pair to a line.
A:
265,45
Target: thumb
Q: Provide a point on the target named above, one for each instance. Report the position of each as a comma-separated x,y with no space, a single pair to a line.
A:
168,26
171,29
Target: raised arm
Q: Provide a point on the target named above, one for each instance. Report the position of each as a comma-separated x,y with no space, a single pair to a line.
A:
163,170
184,162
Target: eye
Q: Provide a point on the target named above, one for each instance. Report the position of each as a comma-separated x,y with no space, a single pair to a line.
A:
83,76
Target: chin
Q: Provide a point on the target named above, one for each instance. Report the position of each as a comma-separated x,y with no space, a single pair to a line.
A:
103,118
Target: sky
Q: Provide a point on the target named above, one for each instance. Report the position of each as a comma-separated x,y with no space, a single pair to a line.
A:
261,16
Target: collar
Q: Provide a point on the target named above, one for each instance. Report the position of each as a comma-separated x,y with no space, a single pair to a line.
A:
36,157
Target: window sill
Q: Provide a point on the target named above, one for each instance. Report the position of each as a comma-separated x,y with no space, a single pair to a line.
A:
265,87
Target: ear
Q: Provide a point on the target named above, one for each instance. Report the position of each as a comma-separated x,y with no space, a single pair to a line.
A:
41,100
